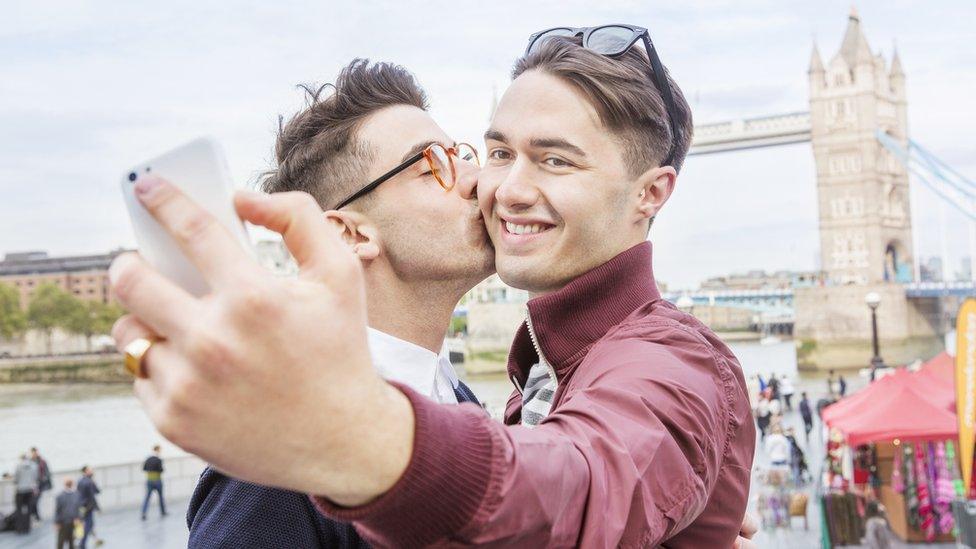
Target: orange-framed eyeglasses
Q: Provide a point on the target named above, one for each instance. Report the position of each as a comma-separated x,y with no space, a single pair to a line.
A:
440,160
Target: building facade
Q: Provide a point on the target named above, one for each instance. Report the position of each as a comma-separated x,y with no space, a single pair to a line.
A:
83,276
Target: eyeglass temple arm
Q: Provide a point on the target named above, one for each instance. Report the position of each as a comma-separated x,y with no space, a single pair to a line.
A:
381,179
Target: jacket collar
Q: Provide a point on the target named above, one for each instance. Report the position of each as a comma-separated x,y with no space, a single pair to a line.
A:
569,321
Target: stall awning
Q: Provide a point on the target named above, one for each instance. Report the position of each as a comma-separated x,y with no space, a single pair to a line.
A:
908,407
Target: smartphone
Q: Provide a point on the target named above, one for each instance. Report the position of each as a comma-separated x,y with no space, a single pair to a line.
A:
199,169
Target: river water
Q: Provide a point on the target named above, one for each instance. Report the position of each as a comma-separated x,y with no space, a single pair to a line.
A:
79,424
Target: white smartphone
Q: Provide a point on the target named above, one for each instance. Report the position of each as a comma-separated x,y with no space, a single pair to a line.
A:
199,169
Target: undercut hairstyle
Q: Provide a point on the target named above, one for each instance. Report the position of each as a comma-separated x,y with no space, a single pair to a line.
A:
624,96
318,151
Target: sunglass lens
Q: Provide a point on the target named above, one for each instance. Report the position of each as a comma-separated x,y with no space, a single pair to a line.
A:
552,33
610,40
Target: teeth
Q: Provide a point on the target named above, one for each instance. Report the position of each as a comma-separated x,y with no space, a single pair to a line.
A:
522,229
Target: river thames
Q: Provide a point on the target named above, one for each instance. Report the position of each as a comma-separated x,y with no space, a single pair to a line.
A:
77,424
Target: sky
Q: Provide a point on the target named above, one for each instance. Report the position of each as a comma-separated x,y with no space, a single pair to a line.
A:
88,89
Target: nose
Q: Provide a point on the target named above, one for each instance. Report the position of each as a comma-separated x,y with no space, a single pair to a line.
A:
467,179
516,192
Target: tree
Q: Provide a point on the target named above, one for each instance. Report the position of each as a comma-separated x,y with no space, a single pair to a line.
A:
12,318
50,308
92,318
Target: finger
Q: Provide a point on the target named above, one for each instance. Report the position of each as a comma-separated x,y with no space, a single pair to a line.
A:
743,543
296,216
208,244
750,525
154,299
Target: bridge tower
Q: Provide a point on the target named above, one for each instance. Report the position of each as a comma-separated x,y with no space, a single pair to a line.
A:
865,221
865,215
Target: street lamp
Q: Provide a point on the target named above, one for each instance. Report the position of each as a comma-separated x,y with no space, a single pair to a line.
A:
873,300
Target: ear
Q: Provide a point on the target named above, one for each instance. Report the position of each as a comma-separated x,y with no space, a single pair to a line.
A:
654,188
357,232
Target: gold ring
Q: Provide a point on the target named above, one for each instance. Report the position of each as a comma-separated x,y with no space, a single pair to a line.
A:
134,353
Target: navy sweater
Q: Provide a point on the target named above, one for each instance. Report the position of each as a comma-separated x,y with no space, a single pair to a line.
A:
227,513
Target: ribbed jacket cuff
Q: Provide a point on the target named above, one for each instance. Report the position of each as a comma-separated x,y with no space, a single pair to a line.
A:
444,483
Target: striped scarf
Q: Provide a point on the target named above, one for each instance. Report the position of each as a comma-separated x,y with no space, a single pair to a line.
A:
537,394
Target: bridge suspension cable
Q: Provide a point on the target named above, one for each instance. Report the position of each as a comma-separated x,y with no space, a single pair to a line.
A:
952,188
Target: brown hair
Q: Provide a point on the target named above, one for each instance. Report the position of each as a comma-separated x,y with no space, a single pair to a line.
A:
623,94
318,151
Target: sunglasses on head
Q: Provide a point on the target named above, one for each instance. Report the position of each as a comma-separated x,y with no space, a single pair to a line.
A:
614,41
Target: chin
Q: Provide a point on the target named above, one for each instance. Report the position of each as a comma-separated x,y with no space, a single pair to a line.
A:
524,275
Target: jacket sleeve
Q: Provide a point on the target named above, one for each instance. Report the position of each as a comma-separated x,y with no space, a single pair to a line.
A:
629,458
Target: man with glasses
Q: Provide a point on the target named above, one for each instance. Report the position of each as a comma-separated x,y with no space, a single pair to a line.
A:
370,128
630,424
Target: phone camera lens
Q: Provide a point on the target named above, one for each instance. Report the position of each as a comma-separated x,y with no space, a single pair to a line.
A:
133,176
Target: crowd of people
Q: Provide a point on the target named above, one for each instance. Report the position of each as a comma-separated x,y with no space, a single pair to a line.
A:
75,505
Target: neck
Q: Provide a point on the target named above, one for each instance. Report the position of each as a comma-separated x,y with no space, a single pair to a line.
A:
419,313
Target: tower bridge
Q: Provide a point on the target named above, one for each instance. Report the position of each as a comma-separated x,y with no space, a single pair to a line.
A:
857,125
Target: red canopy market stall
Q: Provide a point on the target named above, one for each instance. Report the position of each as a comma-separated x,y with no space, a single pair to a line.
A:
897,437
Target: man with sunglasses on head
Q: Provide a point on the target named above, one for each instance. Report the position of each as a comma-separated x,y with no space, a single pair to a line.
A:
372,129
630,424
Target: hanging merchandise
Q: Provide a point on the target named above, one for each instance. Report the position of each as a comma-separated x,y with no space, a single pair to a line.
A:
911,486
925,517
944,491
950,450
897,479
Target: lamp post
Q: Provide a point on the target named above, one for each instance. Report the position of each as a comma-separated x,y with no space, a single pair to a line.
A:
873,300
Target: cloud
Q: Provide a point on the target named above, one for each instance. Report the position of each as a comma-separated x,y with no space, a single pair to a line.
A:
91,88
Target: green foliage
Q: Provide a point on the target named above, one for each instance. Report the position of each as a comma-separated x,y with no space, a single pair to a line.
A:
91,318
12,318
50,308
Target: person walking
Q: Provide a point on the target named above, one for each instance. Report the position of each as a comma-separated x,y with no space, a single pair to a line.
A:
25,486
777,447
762,415
831,383
153,467
842,385
806,413
67,511
876,527
43,481
87,492
798,462
774,388
787,390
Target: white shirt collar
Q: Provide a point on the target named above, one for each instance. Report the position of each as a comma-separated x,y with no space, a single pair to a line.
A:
420,369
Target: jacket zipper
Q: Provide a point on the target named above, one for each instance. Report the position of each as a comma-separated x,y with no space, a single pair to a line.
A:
538,350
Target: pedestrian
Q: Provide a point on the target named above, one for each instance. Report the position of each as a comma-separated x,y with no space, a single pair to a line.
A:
842,385
787,390
798,462
25,486
775,407
67,511
762,415
87,492
43,481
806,413
777,447
773,387
830,383
876,527
762,382
153,467
752,388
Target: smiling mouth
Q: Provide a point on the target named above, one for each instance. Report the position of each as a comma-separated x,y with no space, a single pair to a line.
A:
529,228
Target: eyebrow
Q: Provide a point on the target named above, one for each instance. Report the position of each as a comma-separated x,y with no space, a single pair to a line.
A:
416,149
540,142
